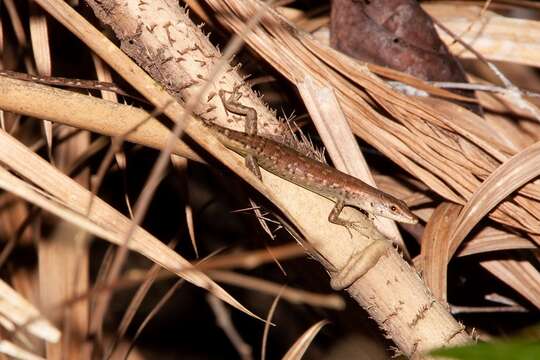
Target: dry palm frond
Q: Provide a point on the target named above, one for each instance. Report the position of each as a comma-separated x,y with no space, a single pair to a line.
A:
449,152
435,249
450,149
495,37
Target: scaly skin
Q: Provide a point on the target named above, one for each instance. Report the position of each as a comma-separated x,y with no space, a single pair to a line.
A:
315,176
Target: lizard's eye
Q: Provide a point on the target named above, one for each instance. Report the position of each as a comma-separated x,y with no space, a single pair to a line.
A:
393,208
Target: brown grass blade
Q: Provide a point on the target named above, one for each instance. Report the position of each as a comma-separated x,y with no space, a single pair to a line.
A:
224,321
104,74
18,158
301,345
149,279
292,295
18,29
16,352
39,37
166,297
269,317
63,274
490,239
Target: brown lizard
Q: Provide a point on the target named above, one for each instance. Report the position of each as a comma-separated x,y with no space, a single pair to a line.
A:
319,178
308,173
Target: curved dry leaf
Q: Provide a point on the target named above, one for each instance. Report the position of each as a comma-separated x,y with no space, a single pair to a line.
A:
435,246
300,346
491,239
75,197
293,295
510,176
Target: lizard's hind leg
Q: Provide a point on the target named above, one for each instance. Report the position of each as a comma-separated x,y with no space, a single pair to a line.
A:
232,105
250,128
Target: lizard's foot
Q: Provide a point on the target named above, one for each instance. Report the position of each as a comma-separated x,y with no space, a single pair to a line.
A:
233,98
351,225
334,218
359,264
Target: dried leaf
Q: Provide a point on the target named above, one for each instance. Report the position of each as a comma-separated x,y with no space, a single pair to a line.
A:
435,248
491,239
510,176
397,34
75,197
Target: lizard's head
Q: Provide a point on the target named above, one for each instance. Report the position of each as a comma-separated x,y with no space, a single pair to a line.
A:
394,209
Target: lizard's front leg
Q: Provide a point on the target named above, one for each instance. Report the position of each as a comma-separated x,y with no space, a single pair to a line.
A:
334,218
360,262
231,104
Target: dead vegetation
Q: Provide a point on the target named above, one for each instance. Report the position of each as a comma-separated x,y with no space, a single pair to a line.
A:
470,179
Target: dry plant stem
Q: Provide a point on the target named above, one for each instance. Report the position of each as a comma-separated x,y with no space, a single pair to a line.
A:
63,273
295,296
86,112
137,299
410,315
161,303
162,39
253,259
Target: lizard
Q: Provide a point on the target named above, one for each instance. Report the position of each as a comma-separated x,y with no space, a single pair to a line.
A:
315,176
